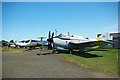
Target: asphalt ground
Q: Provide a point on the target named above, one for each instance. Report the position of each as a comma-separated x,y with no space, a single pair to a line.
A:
30,65
0,64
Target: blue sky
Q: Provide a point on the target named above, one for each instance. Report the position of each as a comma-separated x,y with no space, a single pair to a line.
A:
28,20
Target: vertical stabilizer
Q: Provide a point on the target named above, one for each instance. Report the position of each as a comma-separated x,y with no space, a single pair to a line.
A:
102,36
30,41
98,37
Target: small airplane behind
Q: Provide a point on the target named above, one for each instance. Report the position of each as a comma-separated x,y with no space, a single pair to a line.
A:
31,43
73,42
27,43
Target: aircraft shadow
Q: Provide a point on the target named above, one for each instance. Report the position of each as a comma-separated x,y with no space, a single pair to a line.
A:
85,55
43,54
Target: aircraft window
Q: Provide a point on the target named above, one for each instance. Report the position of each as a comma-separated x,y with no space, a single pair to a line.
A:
66,42
63,35
87,38
60,35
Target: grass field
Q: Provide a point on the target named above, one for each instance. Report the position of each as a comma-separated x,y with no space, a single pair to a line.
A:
103,60
5,49
9,50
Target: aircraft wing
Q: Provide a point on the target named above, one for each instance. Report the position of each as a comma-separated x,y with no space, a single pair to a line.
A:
89,43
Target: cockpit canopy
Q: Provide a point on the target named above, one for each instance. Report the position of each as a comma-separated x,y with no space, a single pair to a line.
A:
64,36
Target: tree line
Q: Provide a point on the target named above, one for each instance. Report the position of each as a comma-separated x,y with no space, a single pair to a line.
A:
5,43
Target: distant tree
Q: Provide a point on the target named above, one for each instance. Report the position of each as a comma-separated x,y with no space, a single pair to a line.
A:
4,43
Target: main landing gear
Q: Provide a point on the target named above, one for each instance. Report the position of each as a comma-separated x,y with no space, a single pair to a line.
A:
70,51
54,51
81,50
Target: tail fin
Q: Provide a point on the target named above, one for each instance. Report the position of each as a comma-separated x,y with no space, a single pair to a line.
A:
30,41
98,37
102,36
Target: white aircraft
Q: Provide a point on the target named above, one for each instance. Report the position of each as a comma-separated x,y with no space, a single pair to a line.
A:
28,43
32,42
73,42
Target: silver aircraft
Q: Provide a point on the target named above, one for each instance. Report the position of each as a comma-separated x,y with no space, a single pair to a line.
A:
31,43
73,42
27,43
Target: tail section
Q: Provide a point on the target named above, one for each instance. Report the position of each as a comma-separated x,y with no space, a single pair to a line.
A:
30,41
101,37
98,38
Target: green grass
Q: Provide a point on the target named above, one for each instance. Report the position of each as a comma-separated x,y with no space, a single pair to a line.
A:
9,50
103,60
5,49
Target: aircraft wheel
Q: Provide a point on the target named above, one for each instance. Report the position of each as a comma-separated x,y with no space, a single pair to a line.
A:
81,50
54,51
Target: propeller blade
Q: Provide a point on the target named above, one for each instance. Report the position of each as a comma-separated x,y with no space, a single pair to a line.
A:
49,35
49,43
52,35
50,40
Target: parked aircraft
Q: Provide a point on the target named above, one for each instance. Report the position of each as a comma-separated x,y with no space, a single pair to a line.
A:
31,43
27,43
73,42
11,43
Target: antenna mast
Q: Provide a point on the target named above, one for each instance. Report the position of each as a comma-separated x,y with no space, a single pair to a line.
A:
55,32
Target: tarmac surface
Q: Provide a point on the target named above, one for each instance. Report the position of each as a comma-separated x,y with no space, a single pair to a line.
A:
0,64
30,64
